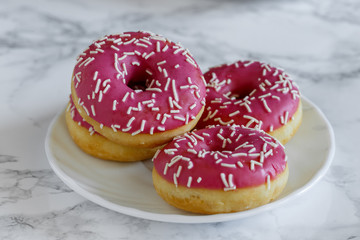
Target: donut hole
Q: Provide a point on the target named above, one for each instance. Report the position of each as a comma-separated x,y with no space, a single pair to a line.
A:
240,93
138,80
215,147
239,84
138,84
241,88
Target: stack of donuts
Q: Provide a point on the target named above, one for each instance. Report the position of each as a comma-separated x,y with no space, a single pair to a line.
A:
131,93
138,95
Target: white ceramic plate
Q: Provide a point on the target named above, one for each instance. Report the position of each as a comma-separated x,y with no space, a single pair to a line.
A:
127,187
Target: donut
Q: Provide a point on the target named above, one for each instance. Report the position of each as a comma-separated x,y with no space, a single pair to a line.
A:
97,145
220,169
255,95
138,89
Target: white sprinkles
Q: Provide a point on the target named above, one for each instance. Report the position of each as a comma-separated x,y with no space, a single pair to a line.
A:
247,155
268,93
146,47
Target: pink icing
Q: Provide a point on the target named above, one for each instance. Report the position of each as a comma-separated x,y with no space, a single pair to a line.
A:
75,115
221,157
138,82
249,93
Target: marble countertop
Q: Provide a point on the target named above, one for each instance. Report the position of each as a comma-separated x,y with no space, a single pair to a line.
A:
317,42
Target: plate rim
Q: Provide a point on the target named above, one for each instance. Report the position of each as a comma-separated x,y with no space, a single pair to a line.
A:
177,218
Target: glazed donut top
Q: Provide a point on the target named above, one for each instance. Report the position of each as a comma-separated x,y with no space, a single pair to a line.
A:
139,82
249,93
221,157
76,117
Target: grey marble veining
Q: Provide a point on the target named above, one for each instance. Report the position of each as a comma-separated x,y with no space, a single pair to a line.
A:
317,42
19,185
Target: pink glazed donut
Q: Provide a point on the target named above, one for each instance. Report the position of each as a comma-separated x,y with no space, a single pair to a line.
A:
220,169
138,88
252,94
